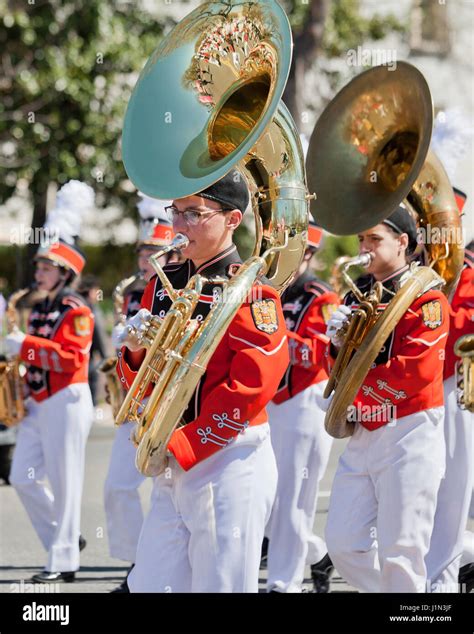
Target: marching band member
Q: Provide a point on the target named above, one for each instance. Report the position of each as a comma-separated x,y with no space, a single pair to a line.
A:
383,499
210,505
123,508
454,496
299,440
89,288
52,438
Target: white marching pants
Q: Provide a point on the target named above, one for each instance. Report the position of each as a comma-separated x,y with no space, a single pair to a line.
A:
468,551
302,447
383,503
205,527
468,548
454,496
123,508
51,443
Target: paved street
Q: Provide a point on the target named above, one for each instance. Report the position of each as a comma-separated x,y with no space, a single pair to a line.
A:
22,554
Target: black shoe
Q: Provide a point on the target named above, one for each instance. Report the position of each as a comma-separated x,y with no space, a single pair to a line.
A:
321,574
123,587
466,576
82,543
264,555
53,577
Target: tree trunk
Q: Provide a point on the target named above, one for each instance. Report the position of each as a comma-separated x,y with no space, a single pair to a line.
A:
40,190
307,45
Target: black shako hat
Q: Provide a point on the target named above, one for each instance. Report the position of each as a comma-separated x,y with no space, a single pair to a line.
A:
402,222
231,191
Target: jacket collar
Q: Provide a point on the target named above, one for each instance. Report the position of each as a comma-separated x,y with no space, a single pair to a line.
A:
298,286
393,279
218,264
391,284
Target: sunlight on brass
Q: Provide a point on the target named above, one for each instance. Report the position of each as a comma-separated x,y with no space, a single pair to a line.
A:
209,100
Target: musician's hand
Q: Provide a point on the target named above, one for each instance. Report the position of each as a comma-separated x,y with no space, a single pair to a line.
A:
336,323
13,343
134,329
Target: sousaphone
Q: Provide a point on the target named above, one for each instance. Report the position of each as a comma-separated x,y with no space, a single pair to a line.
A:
369,152
209,100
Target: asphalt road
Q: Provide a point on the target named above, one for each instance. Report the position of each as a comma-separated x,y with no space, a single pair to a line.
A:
22,554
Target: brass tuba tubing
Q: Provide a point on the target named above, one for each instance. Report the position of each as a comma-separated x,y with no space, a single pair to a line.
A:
172,404
233,114
108,365
134,398
12,405
336,423
464,348
170,338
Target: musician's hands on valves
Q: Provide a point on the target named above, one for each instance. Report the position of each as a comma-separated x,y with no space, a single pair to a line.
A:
337,325
131,334
13,343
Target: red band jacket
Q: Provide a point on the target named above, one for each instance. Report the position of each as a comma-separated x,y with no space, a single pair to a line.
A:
132,302
244,371
56,348
407,375
307,305
461,313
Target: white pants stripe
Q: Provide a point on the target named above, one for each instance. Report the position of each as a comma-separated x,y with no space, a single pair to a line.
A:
123,508
205,526
302,447
51,443
454,496
383,503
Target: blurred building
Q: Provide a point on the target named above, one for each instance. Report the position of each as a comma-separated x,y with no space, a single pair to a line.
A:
438,40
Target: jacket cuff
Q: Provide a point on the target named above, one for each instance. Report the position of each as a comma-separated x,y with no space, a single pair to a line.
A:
27,345
182,450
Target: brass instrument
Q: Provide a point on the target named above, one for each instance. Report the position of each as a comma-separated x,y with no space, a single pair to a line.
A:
114,389
464,348
335,280
12,404
221,72
377,131
361,320
364,340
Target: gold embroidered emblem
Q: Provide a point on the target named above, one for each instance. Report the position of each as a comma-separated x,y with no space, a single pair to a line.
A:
82,326
327,310
432,314
264,314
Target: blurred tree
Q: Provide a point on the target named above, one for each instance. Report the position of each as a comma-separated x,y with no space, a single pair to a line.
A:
329,27
67,69
332,248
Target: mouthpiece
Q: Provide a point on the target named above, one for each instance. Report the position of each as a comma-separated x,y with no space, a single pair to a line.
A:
180,241
363,260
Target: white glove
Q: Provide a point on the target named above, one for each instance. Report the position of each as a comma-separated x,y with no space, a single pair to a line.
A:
117,334
338,319
13,343
134,329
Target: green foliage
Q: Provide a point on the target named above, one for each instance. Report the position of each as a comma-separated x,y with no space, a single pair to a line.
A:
66,72
297,12
110,264
66,68
346,28
334,247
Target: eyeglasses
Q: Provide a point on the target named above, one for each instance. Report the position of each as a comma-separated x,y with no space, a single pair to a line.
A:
191,216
